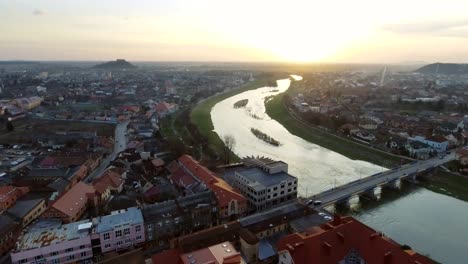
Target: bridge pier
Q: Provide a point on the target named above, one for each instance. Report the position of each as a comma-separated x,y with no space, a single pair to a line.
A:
343,204
412,178
368,195
392,185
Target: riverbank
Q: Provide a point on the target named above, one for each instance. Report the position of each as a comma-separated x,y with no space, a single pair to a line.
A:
441,181
277,110
201,115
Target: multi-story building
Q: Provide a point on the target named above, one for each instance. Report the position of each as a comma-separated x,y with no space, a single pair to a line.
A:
266,184
120,230
9,194
69,243
27,209
231,204
166,220
9,231
73,204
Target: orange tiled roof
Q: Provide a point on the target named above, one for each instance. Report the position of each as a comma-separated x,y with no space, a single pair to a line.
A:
73,200
223,191
335,240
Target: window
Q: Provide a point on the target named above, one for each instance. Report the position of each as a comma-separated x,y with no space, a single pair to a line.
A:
119,243
55,253
126,231
137,228
56,261
69,250
82,246
71,257
118,233
138,237
107,246
23,261
39,257
106,236
83,254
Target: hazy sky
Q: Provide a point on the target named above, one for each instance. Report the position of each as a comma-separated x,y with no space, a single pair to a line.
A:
235,30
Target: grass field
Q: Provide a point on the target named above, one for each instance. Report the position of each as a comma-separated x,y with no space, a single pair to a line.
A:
447,183
276,110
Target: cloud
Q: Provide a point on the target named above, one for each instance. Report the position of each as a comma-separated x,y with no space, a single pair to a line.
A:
38,12
439,28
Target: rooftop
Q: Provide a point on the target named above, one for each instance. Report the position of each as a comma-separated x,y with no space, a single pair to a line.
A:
49,236
130,216
217,254
25,205
73,200
259,178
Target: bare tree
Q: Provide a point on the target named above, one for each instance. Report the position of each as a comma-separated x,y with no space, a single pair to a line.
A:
229,144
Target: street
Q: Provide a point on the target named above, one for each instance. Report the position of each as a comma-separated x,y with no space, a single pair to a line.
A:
119,146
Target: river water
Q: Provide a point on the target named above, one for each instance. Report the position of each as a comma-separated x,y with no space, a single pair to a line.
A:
431,223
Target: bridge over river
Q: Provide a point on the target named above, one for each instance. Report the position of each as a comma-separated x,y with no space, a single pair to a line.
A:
366,186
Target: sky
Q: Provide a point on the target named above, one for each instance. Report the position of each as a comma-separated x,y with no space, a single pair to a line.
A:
346,31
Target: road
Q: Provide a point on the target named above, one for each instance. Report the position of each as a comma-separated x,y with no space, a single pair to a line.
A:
120,144
361,185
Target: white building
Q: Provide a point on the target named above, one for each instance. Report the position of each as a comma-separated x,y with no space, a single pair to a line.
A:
266,184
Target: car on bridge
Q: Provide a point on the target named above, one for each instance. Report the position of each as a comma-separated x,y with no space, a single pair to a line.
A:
312,202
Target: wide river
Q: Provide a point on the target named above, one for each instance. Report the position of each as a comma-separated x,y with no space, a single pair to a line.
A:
431,223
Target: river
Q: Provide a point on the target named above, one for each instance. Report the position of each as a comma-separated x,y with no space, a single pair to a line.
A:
431,223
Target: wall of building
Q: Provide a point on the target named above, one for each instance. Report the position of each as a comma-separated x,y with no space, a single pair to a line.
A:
111,240
65,252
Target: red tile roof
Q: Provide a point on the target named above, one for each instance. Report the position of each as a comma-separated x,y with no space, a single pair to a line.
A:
8,191
110,179
73,200
331,243
224,192
171,256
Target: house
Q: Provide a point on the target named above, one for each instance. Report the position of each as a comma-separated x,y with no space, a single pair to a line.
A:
344,240
164,109
9,194
437,142
418,150
9,232
397,142
68,243
28,103
368,124
231,203
110,182
73,204
27,209
120,230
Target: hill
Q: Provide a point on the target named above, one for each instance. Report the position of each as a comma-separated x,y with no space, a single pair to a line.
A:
444,68
118,64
